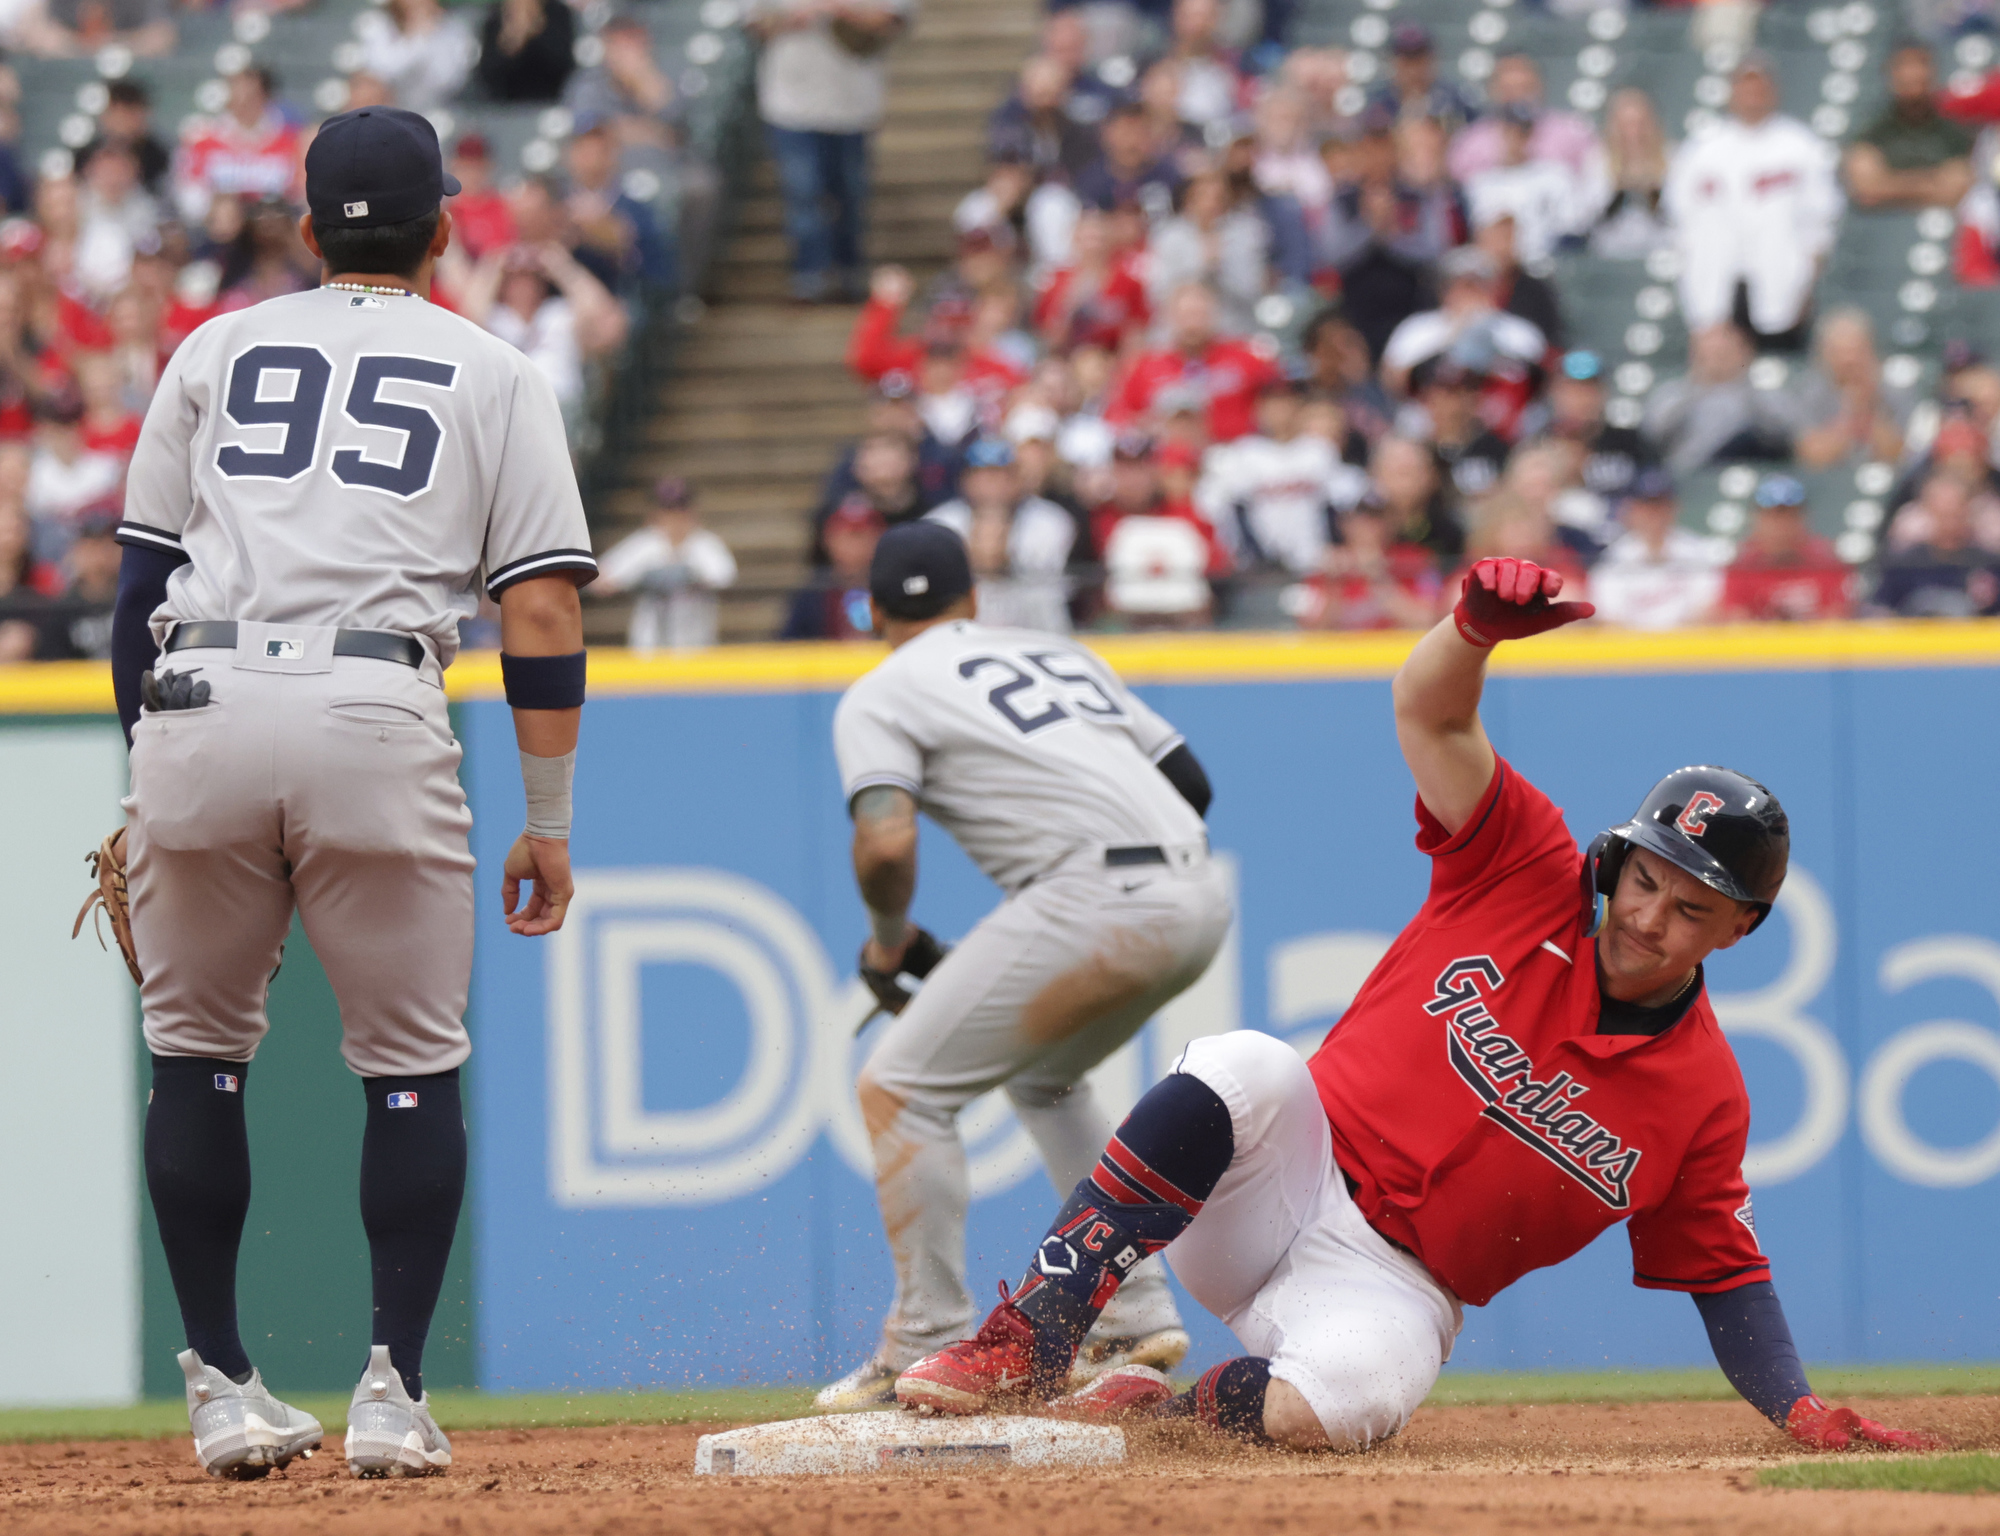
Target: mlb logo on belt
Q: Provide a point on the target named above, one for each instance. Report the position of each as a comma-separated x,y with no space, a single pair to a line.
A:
226,1082
402,1101
284,650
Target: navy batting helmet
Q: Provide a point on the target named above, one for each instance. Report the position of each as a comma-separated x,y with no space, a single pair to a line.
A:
1722,827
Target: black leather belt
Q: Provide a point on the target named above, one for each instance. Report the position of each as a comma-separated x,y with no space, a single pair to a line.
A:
375,644
1119,858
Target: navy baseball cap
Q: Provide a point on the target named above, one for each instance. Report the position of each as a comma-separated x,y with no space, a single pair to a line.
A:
375,166
919,570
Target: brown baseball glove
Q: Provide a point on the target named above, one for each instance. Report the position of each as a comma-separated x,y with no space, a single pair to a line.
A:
108,865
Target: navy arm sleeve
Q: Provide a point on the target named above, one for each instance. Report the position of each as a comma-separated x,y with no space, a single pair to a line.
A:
1184,771
142,587
1753,1345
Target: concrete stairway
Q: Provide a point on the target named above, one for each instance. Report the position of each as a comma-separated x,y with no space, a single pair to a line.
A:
759,401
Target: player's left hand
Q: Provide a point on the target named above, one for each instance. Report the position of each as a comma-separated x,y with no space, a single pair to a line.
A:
1819,1427
544,861
920,956
1507,599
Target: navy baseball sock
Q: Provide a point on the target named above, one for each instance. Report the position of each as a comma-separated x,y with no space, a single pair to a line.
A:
198,1173
1229,1397
412,1182
1164,1161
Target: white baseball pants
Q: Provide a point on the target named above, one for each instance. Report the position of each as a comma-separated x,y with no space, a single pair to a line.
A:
1280,1253
330,782
984,1019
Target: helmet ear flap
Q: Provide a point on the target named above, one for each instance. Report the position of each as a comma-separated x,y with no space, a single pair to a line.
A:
1601,863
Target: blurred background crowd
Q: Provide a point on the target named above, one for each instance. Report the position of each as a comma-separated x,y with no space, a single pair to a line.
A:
1244,331
1263,316
124,225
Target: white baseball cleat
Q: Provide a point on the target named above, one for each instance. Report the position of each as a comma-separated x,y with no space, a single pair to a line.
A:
387,1434
242,1432
870,1384
1162,1349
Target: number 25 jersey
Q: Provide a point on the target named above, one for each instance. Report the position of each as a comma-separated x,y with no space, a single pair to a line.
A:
352,459
1022,745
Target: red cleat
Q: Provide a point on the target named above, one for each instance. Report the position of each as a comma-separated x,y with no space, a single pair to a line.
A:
961,1378
1129,1392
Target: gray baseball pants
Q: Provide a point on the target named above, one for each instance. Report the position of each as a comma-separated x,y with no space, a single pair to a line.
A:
322,782
1048,985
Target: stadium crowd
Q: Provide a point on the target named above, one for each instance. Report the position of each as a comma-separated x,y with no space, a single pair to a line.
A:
1107,392
109,257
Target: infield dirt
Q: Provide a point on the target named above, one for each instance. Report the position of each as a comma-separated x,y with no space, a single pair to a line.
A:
1686,1468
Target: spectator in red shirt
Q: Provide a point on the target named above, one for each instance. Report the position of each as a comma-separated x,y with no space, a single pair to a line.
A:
1228,372
1137,490
250,151
109,425
1373,580
1784,571
481,221
1099,298
984,365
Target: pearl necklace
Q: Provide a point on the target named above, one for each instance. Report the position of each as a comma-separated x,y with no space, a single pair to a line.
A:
398,293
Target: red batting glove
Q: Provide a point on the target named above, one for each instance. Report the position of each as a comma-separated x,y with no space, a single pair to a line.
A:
1820,1428
1510,599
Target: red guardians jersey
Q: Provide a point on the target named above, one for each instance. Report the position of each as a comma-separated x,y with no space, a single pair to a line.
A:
1488,1126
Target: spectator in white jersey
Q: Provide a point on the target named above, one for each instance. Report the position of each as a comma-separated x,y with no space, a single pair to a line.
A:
1468,313
1547,200
423,53
544,302
65,477
1657,574
1755,204
1272,494
1019,543
676,567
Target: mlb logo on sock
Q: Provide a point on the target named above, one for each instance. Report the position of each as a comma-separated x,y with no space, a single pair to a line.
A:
402,1101
225,1082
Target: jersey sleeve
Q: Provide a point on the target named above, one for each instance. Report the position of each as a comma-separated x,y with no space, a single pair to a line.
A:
1702,1237
159,484
1515,833
536,526
872,745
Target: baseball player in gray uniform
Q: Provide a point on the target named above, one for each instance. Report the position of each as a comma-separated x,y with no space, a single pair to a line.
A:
323,483
1085,807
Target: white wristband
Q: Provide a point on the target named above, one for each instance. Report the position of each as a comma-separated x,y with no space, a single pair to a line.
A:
547,780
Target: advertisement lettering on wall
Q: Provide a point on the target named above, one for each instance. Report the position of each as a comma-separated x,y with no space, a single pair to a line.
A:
674,1181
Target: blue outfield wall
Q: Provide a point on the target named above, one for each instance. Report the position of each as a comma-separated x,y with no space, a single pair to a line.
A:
670,1170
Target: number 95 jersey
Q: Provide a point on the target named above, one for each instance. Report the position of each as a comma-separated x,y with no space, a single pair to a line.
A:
1022,745
352,459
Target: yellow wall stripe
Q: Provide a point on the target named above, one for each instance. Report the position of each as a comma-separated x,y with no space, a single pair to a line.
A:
85,687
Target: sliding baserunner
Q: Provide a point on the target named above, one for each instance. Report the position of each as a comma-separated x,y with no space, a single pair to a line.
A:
1533,1061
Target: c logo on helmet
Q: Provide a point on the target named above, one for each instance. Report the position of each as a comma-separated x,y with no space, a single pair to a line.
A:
1693,818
